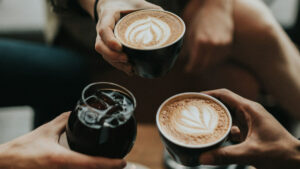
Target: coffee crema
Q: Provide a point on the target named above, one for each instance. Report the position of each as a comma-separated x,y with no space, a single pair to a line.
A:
149,29
194,120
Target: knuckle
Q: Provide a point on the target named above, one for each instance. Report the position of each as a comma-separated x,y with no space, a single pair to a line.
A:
222,157
98,48
202,40
225,91
101,30
110,42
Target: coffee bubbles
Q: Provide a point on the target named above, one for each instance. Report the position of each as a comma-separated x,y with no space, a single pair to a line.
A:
148,33
194,120
149,29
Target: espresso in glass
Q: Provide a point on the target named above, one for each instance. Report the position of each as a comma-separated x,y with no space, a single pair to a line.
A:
102,123
192,123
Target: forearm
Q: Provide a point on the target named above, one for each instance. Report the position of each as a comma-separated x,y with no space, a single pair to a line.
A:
282,78
263,46
88,6
222,4
4,159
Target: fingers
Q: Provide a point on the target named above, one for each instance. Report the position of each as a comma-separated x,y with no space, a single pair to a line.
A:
55,128
235,134
192,60
116,59
109,54
229,98
105,30
81,161
236,154
149,5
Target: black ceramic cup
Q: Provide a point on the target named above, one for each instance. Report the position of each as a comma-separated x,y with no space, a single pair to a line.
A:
188,155
153,62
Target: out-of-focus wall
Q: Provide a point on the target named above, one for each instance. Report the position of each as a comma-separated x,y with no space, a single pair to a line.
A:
23,19
22,15
285,11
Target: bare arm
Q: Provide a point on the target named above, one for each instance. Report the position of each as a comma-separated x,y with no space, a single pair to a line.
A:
209,33
88,6
263,46
109,12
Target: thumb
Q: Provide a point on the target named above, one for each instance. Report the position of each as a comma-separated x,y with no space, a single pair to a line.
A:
235,154
55,127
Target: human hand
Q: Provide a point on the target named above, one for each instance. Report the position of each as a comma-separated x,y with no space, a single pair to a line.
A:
109,12
40,149
264,143
209,32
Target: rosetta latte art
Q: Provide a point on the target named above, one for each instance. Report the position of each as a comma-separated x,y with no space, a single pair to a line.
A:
200,120
150,32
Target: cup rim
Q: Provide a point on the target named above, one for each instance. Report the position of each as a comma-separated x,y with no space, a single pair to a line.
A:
200,145
149,49
106,83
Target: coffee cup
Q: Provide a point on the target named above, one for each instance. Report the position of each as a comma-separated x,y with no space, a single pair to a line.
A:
192,123
152,40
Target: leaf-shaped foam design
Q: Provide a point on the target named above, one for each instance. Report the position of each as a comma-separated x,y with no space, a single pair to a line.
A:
150,32
200,119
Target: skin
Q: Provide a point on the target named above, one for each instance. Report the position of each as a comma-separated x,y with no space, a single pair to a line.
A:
109,12
262,47
255,42
40,149
263,141
243,31
209,36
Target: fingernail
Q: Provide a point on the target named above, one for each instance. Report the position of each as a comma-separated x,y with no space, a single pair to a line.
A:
206,159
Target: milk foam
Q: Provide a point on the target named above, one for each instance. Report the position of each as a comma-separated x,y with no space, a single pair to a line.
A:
149,32
194,120
201,120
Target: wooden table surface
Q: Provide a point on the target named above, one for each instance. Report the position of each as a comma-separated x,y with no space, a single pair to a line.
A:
148,149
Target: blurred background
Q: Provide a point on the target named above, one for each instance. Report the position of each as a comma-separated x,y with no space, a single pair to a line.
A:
27,20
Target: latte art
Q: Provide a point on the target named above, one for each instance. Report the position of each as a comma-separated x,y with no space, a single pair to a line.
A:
149,29
194,119
150,32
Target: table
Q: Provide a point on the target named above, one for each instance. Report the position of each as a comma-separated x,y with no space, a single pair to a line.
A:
148,148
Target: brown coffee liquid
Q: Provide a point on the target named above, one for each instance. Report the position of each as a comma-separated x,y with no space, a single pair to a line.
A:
103,125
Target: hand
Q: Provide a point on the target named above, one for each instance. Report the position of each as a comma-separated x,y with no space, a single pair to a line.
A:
109,12
209,32
40,149
264,142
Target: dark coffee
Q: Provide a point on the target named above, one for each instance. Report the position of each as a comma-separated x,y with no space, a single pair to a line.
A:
103,124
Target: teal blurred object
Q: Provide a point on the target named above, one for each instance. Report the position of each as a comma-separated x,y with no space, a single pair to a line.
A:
48,79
